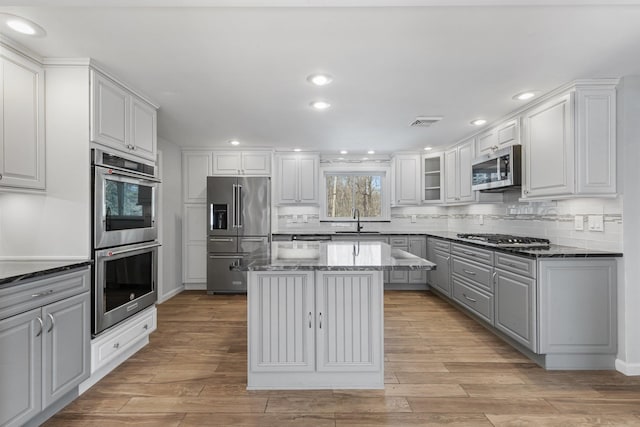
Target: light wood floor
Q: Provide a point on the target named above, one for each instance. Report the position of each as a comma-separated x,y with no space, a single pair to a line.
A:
441,368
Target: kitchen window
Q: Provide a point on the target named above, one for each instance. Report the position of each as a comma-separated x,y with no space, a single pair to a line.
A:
343,191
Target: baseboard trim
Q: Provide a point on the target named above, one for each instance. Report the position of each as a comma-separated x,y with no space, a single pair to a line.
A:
171,294
195,286
629,369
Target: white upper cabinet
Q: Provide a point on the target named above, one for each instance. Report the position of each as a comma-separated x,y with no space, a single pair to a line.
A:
502,135
241,163
297,177
407,179
121,120
549,148
143,128
22,144
457,164
433,178
569,143
596,141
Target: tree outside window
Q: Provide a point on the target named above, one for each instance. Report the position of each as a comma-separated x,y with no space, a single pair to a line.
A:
346,192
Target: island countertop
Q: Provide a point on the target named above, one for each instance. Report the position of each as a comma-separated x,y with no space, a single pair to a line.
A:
333,256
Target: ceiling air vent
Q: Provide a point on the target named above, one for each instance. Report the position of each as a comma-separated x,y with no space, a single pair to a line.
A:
425,121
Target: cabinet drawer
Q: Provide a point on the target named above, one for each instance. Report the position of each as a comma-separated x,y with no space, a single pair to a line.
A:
107,347
472,253
37,293
479,274
399,241
475,300
516,264
441,245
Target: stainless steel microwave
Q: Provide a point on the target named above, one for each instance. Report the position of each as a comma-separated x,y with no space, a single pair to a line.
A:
497,171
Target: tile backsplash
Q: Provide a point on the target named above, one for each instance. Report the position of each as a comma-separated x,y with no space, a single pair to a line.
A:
553,220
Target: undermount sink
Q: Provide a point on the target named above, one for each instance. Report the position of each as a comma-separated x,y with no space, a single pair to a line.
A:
355,232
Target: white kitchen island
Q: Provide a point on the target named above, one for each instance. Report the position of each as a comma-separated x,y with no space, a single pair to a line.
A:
315,314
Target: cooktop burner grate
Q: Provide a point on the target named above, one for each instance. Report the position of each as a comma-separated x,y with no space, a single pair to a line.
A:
506,240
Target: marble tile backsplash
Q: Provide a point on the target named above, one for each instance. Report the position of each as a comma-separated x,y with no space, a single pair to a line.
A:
552,220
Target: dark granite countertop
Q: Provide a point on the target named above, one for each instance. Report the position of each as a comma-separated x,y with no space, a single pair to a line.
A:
334,256
552,251
14,272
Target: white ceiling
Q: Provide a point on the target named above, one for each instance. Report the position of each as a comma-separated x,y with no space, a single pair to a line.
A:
221,73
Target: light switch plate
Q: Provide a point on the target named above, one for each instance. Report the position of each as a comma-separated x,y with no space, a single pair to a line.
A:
305,218
413,218
596,223
480,219
578,222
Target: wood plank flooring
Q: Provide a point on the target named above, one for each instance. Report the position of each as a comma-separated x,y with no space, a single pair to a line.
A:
441,368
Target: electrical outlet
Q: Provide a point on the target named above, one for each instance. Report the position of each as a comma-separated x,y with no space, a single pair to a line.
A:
413,218
480,219
596,223
578,222
294,218
305,218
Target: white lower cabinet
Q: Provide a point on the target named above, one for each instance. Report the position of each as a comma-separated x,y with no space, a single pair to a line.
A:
515,307
44,352
310,330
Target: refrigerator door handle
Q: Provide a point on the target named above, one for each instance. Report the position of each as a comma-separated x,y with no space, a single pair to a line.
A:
234,203
239,206
210,216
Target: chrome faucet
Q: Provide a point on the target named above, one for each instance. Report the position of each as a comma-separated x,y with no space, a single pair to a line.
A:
356,216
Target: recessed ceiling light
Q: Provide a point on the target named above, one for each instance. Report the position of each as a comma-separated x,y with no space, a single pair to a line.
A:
365,158
22,25
478,122
234,142
319,79
296,150
371,152
524,96
343,151
340,158
320,105
428,148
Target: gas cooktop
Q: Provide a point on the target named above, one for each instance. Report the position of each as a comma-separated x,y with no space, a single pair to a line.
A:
506,240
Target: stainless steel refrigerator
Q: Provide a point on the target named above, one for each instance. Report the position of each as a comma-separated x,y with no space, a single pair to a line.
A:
239,222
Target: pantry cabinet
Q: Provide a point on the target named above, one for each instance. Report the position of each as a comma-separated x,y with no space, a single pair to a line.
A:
22,137
458,173
297,179
196,166
120,119
569,143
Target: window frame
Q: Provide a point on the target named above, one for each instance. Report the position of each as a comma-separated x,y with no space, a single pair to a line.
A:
354,169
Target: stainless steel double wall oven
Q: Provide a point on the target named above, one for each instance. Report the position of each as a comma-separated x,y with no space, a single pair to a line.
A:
125,232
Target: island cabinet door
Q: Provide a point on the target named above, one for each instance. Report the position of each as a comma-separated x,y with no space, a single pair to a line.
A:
281,322
349,316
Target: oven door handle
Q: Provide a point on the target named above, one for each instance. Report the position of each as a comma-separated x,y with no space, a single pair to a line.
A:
137,248
120,172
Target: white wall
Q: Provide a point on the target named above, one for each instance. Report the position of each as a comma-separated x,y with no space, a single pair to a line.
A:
170,271
55,224
629,178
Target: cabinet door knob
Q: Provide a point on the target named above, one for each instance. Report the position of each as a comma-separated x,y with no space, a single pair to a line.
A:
41,326
53,323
